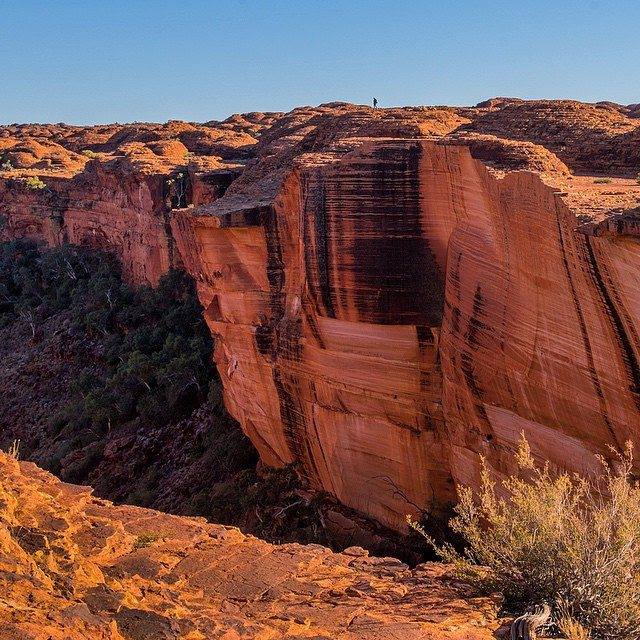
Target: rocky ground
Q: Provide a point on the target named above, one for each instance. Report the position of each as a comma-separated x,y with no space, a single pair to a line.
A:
73,566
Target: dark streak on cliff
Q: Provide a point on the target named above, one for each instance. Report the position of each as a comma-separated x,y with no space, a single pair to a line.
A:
583,330
628,354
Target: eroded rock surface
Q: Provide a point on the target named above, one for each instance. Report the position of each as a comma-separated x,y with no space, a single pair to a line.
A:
389,308
398,292
75,567
113,186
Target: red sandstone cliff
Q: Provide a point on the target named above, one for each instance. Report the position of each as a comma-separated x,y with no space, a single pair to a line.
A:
113,186
388,309
394,293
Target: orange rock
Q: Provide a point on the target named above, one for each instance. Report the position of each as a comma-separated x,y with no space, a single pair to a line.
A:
74,567
115,195
587,137
388,309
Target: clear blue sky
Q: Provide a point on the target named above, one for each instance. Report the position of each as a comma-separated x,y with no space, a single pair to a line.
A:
123,60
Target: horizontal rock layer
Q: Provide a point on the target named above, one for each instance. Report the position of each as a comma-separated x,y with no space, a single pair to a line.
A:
400,311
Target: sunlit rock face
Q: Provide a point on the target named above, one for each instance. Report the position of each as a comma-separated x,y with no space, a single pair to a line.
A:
396,294
540,333
398,312
113,187
75,567
113,211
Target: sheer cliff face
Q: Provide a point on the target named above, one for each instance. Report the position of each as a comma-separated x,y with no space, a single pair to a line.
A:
398,293
106,209
540,333
400,311
329,323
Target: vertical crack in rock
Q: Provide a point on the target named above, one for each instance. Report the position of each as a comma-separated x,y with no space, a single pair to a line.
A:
614,314
585,335
474,328
318,238
285,343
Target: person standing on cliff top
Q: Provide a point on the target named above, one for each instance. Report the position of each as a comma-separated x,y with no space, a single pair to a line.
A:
375,103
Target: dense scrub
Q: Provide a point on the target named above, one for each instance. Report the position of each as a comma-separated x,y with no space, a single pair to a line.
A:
146,354
570,541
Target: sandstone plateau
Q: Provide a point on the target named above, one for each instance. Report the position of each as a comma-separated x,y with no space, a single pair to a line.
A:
76,567
394,293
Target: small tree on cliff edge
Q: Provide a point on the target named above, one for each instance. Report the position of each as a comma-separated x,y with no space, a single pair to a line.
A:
564,539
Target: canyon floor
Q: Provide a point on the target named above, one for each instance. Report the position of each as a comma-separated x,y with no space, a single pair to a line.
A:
75,567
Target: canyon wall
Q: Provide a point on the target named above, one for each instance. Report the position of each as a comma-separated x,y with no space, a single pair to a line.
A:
398,293
113,187
399,312
108,210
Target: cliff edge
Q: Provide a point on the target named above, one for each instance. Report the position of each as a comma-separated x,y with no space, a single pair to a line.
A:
395,293
74,567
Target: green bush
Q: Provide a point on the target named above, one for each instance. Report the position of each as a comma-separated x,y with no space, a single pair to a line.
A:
568,540
34,183
152,349
90,154
146,540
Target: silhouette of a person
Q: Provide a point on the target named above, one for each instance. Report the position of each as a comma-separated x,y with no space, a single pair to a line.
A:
375,103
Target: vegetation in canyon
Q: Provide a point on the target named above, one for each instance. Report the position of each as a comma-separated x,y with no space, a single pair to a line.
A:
568,540
113,386
153,357
33,183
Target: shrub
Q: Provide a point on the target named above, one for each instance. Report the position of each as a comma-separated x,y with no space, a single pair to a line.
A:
34,183
571,628
152,349
6,166
568,540
146,540
90,154
602,181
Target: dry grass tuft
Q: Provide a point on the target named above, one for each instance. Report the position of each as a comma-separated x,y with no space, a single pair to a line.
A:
14,449
565,539
569,627
146,540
